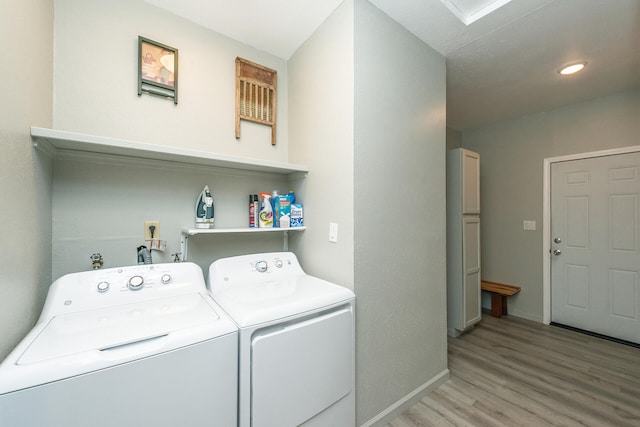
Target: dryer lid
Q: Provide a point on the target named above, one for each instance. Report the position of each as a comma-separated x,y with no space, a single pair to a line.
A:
109,328
260,302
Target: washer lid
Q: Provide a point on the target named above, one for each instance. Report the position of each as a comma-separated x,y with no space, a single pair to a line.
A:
259,302
118,326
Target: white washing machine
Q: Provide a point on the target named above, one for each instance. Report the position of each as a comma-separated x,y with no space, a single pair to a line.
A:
296,364
130,346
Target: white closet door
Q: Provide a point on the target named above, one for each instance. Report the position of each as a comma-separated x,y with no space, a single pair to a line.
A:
471,267
470,182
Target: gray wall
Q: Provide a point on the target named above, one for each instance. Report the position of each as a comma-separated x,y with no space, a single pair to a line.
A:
399,190
96,60
380,141
321,131
511,174
454,139
100,203
25,173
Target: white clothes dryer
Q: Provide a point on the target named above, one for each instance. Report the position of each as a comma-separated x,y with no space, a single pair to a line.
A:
129,346
296,355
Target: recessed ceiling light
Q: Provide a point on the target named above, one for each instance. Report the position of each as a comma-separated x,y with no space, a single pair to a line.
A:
572,69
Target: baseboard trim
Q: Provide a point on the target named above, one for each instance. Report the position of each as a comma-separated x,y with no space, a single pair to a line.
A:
453,332
524,315
384,417
516,313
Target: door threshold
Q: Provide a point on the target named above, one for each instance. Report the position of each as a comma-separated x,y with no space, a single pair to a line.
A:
597,335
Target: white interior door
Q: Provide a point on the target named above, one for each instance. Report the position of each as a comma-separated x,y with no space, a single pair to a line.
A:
595,260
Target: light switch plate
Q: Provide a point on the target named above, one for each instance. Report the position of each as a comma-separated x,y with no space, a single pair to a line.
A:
333,232
529,225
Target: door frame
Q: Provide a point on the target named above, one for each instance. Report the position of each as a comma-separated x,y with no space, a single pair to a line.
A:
546,217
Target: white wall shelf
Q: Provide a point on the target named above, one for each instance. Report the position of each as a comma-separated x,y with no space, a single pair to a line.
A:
52,140
187,232
195,231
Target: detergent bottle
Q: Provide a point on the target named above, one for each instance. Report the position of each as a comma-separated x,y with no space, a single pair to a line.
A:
266,211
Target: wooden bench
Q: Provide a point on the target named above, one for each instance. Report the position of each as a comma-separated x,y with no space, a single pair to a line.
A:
499,294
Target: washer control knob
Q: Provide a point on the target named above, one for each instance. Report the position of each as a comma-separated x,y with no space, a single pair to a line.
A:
135,283
279,263
103,286
166,278
261,266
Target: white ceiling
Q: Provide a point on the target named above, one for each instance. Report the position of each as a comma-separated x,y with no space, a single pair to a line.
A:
278,27
501,66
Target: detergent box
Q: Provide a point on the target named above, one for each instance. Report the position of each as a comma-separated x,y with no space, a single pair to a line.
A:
282,207
297,219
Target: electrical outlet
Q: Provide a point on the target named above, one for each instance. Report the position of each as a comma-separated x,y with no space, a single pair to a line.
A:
151,230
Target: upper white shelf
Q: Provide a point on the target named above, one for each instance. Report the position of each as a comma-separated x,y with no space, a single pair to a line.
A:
186,232
196,231
63,140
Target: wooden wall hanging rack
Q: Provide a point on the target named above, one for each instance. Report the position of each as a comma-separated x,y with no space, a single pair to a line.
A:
255,95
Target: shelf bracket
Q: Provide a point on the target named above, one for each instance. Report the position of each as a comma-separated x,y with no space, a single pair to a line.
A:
45,146
296,176
286,241
184,245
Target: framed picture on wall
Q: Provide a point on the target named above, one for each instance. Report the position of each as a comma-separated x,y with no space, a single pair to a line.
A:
157,69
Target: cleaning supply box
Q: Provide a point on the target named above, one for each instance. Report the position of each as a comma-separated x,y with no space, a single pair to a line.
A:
297,218
282,210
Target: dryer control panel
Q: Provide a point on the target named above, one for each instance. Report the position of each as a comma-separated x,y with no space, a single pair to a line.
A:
275,265
253,268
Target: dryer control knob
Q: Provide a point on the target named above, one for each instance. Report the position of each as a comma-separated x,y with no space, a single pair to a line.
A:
135,283
261,266
166,278
103,286
279,263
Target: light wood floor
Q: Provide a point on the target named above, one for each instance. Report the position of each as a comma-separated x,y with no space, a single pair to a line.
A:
514,372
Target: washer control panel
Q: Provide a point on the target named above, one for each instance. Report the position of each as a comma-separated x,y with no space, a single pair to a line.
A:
133,278
122,285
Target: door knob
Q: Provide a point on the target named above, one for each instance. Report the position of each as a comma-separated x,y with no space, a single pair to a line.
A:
557,252
557,240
